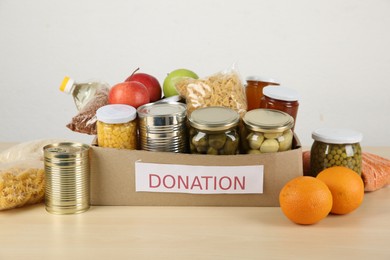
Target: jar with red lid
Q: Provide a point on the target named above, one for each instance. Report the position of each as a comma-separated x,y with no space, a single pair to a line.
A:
282,99
254,90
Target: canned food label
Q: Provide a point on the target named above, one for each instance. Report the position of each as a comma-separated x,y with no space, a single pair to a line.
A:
153,177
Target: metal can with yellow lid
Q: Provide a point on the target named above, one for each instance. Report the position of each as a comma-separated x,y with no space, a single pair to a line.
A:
67,176
214,131
267,131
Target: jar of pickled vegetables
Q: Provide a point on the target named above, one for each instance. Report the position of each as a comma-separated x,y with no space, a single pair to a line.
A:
267,131
214,131
335,147
117,126
254,90
281,98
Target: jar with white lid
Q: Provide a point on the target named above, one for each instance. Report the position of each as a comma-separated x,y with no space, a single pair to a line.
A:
281,98
214,131
117,126
335,147
254,89
267,131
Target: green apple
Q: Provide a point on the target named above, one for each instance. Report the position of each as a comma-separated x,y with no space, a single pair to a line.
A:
173,77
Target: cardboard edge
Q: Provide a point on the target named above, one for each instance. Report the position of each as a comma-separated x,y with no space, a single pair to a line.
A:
113,188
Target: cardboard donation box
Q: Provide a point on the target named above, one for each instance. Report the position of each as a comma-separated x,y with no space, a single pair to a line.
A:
141,178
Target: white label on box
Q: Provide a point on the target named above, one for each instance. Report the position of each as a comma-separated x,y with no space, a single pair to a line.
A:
153,177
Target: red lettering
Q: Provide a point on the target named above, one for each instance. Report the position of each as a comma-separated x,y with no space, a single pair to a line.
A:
196,183
229,182
207,181
158,181
180,180
173,181
241,184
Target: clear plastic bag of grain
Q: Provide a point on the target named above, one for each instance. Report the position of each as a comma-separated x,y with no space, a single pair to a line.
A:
22,176
224,89
85,120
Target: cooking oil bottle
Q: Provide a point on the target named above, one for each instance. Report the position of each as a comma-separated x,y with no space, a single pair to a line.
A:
82,92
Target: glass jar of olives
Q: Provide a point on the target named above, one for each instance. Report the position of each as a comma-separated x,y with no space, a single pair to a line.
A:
267,131
214,131
335,147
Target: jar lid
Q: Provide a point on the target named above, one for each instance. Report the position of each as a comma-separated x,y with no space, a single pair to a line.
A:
162,109
281,93
214,118
66,85
268,120
116,114
337,136
262,79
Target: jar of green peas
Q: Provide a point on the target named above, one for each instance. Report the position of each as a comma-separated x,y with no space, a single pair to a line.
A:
335,147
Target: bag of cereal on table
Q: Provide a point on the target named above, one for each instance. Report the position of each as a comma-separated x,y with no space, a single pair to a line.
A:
221,89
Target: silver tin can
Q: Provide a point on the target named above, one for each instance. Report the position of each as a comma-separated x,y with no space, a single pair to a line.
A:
67,173
162,127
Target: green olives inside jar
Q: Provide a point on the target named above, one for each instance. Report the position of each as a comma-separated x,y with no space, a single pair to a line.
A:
214,131
335,147
267,131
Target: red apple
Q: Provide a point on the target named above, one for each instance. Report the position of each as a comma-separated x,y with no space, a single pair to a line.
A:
150,82
130,93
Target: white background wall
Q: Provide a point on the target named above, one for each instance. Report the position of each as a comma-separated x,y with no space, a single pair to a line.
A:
335,53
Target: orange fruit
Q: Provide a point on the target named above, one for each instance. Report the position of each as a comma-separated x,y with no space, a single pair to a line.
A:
305,200
347,188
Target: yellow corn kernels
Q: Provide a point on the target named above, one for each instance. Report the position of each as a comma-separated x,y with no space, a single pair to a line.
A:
123,136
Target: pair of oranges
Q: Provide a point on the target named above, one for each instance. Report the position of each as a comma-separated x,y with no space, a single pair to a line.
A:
307,200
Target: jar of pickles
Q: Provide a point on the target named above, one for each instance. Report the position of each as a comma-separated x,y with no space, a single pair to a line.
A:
117,126
281,98
214,131
335,147
254,90
267,131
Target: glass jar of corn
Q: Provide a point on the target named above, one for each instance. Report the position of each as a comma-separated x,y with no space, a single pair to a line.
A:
117,126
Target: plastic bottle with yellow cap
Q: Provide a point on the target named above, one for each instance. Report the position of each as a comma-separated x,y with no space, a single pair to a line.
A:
82,92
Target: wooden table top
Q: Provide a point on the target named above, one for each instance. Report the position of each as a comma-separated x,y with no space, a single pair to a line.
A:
196,232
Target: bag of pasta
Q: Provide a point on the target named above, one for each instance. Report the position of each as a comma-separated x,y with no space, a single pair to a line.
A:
221,89
22,175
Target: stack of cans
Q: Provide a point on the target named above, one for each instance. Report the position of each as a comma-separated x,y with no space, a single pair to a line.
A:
162,127
67,178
